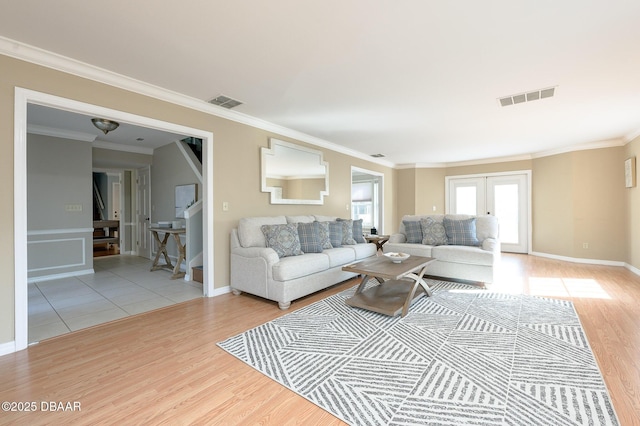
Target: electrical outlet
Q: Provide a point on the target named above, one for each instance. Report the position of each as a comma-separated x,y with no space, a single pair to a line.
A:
585,245
73,207
347,207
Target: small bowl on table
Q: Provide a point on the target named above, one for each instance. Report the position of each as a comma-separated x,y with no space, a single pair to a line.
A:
397,257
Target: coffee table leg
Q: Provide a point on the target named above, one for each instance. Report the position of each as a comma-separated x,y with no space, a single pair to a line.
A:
419,280
363,283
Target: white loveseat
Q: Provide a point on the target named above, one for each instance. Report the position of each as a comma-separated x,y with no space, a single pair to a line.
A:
259,270
474,260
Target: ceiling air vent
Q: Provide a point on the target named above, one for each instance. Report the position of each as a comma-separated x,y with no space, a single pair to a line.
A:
527,97
225,102
377,155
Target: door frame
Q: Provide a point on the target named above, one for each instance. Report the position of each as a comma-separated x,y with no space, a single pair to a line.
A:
23,97
380,194
447,180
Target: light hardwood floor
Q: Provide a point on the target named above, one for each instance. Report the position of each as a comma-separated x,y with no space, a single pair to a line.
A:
164,366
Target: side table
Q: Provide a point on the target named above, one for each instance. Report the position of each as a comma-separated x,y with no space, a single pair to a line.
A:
379,240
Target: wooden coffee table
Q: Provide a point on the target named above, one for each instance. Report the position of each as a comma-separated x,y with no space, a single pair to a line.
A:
399,286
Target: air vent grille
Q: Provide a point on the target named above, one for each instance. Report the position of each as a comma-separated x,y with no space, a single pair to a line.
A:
527,97
225,102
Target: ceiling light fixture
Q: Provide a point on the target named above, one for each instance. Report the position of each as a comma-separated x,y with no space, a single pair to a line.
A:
105,125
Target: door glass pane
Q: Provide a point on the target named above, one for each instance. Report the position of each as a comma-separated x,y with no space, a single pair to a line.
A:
466,200
506,206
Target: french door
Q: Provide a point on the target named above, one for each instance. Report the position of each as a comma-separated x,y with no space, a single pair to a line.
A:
505,196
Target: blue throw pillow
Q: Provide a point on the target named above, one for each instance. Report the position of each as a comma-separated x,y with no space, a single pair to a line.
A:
309,234
413,230
357,232
283,239
335,234
323,231
433,232
461,232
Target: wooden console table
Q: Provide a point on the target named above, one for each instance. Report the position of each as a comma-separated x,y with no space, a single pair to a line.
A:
106,232
162,249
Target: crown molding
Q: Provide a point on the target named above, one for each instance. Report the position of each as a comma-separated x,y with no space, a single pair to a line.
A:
612,143
68,65
60,133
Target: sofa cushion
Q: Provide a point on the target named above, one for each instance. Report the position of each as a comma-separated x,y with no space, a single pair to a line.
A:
323,231
347,231
461,232
363,251
250,232
357,231
335,233
283,239
309,234
300,219
433,232
290,268
460,254
411,248
340,256
413,230
321,218
487,227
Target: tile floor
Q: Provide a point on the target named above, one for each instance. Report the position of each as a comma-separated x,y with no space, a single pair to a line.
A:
121,286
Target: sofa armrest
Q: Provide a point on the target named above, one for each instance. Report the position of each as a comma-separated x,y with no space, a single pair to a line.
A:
397,238
269,255
491,244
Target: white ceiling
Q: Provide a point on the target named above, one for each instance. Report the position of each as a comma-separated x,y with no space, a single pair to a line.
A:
415,80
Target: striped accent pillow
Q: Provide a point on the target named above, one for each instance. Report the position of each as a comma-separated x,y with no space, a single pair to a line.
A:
413,230
461,232
309,234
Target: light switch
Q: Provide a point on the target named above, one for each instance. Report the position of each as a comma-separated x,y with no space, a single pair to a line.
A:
225,206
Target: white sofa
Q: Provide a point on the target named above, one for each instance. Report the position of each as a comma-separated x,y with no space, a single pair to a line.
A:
258,270
458,262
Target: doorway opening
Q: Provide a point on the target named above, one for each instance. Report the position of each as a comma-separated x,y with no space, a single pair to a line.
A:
25,97
367,189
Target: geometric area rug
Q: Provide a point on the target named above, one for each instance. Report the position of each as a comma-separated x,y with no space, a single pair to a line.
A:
462,356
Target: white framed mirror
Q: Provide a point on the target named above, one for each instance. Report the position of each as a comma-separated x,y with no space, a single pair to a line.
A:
294,174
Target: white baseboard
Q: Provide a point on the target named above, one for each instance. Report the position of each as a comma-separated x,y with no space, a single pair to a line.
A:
589,261
220,291
58,276
632,268
7,348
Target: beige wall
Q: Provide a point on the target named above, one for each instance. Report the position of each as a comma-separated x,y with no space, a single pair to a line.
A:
577,198
632,198
236,165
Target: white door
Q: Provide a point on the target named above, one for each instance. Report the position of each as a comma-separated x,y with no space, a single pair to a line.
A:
505,196
143,212
507,199
115,201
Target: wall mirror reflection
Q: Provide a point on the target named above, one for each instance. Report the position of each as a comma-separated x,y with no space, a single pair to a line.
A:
294,174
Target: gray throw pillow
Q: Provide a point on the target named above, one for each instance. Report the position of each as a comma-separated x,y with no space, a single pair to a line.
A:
413,230
433,232
309,234
347,232
461,232
283,239
335,233
357,230
323,231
